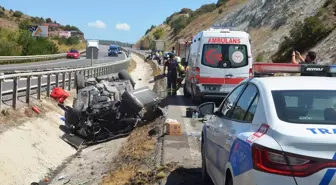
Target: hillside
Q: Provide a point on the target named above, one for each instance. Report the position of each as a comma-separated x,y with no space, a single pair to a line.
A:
16,40
276,27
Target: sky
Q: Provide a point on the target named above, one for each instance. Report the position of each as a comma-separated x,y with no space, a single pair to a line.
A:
124,21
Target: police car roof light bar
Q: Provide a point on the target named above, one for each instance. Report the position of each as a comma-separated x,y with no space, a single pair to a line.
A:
276,68
332,68
264,69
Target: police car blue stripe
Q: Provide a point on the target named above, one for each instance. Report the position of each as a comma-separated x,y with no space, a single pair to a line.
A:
328,175
240,157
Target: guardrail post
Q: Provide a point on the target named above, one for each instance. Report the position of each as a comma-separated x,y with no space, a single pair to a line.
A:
39,84
84,72
75,77
56,80
28,89
69,81
63,80
15,91
0,95
48,85
104,69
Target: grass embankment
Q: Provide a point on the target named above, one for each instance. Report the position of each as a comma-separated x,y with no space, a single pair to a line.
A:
132,66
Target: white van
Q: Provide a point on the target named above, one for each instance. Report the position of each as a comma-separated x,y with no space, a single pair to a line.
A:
218,60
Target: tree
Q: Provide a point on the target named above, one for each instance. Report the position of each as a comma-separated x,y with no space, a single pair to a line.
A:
17,14
23,25
220,2
48,20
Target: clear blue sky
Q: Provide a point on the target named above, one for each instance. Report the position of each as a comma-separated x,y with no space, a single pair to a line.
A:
138,14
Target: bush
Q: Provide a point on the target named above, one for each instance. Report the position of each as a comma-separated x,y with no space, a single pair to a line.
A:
205,9
48,20
185,11
220,2
35,45
260,57
303,37
72,41
150,29
2,14
220,11
180,23
10,11
158,33
17,14
62,40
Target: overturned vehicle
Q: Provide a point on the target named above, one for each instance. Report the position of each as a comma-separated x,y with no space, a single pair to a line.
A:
108,107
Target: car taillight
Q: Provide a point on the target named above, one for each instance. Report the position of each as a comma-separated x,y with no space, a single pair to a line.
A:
281,163
251,72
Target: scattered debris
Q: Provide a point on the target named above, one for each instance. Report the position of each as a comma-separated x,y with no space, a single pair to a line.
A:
36,109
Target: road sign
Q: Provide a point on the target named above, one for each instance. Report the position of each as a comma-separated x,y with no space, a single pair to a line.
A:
38,31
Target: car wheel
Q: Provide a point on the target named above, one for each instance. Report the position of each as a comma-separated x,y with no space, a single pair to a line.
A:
80,82
124,75
195,100
206,179
131,101
185,91
229,180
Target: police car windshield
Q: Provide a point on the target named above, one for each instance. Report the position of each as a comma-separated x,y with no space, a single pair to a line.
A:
224,55
306,106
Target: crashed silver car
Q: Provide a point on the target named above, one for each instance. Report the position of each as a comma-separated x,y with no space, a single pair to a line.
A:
108,107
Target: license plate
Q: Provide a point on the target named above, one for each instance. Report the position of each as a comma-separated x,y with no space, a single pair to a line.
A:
212,88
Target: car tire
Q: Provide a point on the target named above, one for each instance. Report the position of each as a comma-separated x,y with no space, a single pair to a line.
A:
206,179
80,82
229,181
131,101
185,91
124,75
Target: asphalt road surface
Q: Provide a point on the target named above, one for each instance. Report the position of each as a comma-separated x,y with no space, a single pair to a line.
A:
102,58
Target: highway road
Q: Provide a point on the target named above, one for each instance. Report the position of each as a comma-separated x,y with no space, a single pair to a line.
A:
102,58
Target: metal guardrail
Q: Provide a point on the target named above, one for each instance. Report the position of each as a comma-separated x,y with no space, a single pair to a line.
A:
46,80
32,57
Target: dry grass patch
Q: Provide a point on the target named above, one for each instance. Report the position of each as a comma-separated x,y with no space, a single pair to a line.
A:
132,66
134,156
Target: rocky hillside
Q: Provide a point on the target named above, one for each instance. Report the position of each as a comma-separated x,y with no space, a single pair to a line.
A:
276,26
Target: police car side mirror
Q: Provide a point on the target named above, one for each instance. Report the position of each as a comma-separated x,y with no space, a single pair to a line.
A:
207,108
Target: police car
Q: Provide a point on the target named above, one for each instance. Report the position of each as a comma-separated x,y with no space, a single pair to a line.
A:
273,130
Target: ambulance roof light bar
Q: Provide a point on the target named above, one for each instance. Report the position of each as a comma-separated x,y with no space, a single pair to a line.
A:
224,27
268,69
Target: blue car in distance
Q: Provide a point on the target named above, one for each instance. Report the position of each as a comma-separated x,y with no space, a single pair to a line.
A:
114,50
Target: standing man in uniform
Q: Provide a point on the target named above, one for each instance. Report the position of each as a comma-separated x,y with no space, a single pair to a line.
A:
172,66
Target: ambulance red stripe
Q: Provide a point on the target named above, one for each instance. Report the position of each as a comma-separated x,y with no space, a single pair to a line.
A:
231,81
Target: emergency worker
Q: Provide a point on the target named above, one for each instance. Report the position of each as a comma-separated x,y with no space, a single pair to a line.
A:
172,67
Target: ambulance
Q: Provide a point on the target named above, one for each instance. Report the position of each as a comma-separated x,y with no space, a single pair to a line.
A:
219,59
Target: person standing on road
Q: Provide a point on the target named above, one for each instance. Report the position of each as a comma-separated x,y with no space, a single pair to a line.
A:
310,58
172,66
